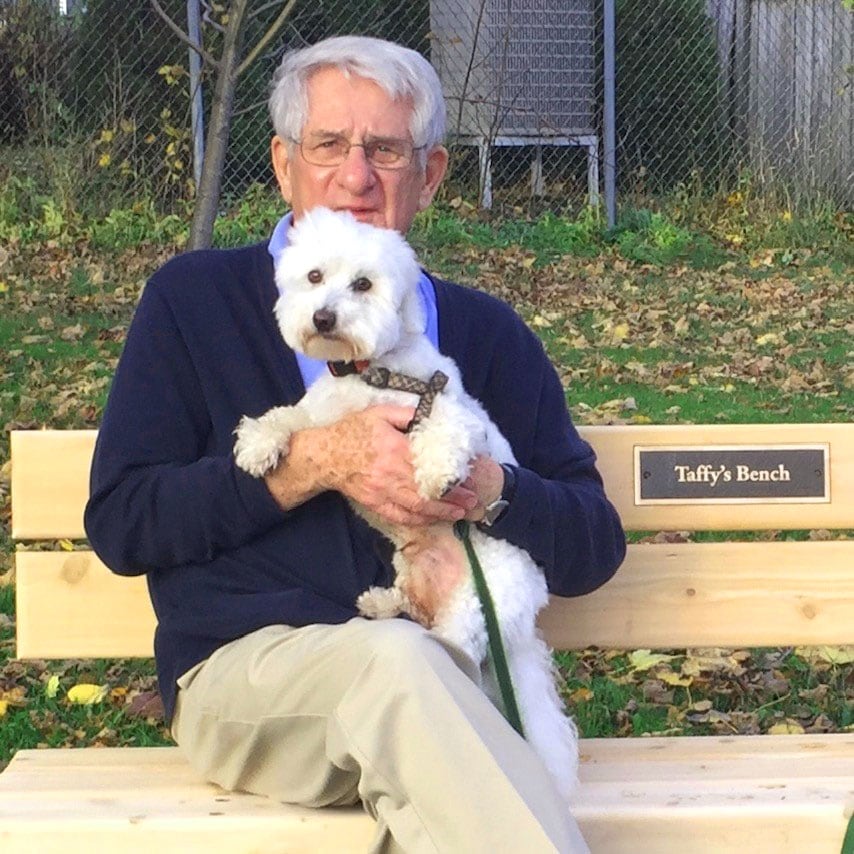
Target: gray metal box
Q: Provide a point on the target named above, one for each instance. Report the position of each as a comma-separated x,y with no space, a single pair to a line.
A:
516,69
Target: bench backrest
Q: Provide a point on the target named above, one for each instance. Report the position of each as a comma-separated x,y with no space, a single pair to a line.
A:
667,594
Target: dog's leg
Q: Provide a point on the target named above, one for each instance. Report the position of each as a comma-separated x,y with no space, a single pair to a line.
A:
444,445
461,623
262,442
381,603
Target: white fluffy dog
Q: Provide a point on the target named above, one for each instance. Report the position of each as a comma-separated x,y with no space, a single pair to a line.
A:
349,293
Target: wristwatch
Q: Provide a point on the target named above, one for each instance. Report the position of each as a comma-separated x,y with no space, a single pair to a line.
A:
495,510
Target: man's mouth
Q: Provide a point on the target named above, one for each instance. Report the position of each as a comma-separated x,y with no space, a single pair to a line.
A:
361,213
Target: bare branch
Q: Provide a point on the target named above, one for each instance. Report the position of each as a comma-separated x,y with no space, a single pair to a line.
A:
256,12
250,108
183,36
267,37
207,17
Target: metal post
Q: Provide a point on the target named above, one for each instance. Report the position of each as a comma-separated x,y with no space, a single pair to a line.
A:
194,31
609,117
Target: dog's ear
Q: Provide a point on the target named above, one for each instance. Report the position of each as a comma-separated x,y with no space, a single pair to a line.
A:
412,311
404,271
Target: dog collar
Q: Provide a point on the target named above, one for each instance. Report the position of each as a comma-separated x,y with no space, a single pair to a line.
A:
345,369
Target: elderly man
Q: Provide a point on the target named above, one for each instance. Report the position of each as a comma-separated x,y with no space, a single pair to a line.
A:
271,681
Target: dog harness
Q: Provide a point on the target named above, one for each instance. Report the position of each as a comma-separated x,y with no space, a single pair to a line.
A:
379,377
426,391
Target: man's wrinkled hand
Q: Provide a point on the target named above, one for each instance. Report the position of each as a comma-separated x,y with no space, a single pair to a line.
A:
365,456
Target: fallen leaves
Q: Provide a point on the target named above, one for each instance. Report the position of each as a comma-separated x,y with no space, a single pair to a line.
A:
759,327
644,659
85,694
709,691
835,655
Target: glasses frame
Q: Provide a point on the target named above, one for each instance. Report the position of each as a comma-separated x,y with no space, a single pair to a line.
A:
302,145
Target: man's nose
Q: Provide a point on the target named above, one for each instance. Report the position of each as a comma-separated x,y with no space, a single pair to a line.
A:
356,172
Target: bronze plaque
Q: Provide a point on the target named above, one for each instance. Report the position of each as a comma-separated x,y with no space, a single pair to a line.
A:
732,474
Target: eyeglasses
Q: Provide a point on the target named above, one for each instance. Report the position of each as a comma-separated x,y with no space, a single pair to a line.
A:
380,153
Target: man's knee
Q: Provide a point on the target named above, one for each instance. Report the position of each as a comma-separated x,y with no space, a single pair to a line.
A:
403,649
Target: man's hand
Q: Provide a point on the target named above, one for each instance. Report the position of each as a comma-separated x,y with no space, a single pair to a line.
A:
365,456
483,486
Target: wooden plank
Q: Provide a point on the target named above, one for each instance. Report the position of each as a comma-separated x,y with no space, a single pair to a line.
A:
50,482
715,594
142,799
679,595
69,605
614,447
50,476
719,758
708,794
656,795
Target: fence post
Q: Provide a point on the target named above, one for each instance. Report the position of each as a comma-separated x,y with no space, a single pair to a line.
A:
194,31
609,117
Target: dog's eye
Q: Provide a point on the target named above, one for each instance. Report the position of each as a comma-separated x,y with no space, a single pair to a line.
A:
361,284
315,277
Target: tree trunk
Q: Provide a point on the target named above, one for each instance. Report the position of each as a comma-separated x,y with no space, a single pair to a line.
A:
219,129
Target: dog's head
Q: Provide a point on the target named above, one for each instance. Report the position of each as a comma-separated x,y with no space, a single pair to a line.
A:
348,290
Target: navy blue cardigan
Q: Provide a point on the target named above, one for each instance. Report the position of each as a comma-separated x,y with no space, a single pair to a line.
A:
222,559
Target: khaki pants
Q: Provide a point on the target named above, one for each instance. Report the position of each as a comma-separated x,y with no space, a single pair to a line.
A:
381,712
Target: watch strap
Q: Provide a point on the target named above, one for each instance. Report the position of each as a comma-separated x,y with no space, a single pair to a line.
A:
496,509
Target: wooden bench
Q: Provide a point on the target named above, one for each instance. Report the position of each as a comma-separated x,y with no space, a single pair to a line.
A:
791,793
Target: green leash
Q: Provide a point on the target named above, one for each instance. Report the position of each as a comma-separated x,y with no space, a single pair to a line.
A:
848,842
493,633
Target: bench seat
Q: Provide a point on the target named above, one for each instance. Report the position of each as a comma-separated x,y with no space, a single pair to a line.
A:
773,794
768,794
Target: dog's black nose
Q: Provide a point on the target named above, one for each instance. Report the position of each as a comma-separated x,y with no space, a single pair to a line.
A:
324,320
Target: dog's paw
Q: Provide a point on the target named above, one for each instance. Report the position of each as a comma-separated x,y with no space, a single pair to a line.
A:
438,466
258,446
381,603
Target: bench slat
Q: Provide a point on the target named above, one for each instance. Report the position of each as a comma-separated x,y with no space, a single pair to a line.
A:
715,594
615,446
724,794
143,799
50,482
50,478
69,605
680,595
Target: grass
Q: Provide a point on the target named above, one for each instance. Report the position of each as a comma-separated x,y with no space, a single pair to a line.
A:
741,313
36,711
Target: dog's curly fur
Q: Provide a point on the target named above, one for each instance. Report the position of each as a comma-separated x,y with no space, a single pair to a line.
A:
363,281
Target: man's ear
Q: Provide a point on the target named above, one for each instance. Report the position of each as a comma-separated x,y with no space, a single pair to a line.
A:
437,165
280,156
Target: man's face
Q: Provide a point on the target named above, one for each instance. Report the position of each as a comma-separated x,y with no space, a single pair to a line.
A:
357,110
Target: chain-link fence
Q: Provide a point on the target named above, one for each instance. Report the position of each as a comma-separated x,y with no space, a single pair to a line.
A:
709,93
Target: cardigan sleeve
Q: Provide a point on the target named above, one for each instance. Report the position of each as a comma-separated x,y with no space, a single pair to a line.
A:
159,496
560,513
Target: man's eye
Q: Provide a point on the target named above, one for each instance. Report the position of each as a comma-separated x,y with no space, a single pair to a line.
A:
388,149
328,143
361,284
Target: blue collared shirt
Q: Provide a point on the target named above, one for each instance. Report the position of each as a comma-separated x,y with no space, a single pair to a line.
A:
310,368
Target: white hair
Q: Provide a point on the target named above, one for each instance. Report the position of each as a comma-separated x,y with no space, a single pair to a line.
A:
397,70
